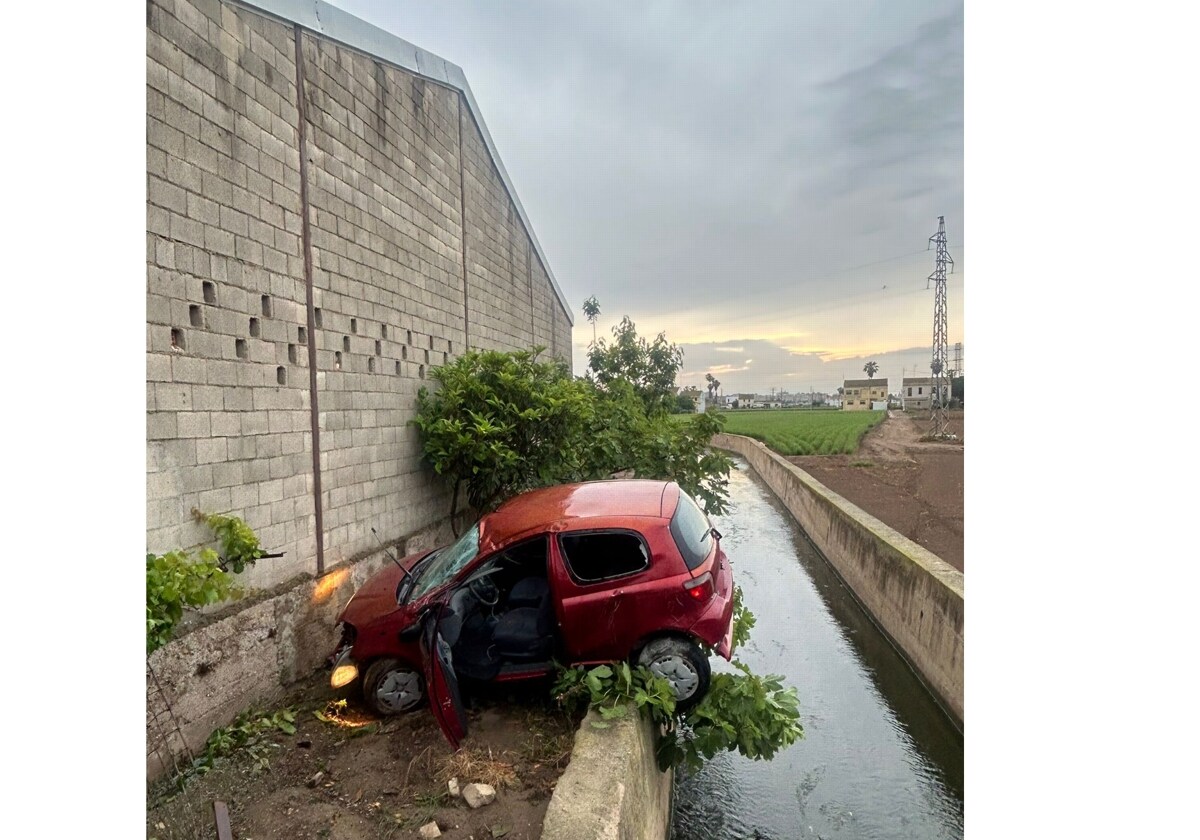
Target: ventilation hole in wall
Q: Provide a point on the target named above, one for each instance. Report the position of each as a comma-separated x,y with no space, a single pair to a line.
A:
346,343
255,328
403,352
378,348
337,360
370,364
196,316
302,335
421,371
266,306
281,375
292,354
430,342
450,346
384,333
426,357
354,325
397,368
243,349
178,342
445,358
317,317
409,341
210,291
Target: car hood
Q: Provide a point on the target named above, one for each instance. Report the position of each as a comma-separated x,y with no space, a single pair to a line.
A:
377,597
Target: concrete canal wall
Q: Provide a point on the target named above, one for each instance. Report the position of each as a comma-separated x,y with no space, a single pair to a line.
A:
914,597
612,789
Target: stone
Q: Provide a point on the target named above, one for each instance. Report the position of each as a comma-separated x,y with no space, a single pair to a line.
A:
478,795
315,779
429,830
452,786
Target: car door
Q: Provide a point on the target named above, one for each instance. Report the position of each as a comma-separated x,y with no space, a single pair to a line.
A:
441,683
601,580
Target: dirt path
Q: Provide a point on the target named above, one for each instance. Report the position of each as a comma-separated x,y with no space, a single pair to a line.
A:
361,778
912,485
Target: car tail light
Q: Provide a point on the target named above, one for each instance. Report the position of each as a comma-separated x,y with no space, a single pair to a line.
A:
699,588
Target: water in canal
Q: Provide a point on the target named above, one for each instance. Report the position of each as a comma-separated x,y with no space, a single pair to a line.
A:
878,758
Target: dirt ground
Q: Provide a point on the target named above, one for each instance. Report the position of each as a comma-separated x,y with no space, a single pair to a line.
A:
912,485
380,779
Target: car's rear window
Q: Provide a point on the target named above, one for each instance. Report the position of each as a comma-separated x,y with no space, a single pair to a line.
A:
603,555
692,531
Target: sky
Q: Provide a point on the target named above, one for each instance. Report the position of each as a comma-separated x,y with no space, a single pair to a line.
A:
757,180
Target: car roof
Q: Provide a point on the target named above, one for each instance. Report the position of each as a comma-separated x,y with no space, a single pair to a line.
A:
570,506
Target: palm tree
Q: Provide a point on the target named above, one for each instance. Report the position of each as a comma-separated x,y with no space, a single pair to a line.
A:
871,368
591,308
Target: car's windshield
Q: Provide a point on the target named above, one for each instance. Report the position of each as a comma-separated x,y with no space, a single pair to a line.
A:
447,563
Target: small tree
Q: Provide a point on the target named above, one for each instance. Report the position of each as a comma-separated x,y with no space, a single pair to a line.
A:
650,367
871,368
591,308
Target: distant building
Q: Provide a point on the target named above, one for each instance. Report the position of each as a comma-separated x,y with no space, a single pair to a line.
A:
860,394
917,393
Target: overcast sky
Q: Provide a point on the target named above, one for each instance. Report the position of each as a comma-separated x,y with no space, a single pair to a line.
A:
757,179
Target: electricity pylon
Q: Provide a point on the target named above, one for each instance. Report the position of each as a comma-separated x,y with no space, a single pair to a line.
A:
940,364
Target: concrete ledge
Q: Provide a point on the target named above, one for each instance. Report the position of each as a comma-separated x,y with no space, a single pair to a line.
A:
914,596
204,678
612,789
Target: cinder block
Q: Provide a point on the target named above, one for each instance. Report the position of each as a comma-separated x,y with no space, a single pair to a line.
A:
211,450
194,424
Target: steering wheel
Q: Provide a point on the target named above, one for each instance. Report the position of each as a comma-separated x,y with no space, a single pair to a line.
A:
486,592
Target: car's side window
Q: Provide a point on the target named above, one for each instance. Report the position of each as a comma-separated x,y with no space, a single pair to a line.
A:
603,555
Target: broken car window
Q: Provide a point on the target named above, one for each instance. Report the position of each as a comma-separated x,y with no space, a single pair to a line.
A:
447,563
603,556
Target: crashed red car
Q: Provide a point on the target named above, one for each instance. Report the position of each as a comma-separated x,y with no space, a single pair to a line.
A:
578,573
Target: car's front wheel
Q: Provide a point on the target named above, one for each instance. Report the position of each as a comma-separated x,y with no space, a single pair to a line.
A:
682,664
391,687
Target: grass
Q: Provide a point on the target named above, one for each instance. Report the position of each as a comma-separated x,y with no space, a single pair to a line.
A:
804,432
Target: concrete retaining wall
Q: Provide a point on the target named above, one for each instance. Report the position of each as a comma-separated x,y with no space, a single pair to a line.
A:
612,789
915,597
204,678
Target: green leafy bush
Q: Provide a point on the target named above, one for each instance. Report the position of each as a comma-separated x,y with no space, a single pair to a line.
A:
239,543
501,423
175,581
743,621
754,715
742,711
613,690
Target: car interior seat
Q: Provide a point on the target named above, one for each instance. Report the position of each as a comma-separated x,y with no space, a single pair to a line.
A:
525,632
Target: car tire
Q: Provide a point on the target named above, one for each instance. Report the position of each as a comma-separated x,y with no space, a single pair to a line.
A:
682,664
392,687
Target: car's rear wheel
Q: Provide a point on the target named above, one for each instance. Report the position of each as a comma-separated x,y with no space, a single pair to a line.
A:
392,687
682,664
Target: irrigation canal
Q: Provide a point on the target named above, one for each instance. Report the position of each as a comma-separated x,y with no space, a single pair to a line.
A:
878,758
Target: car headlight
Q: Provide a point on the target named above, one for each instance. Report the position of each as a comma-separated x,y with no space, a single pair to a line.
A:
345,671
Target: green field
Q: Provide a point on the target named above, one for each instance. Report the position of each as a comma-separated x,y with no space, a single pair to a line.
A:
803,432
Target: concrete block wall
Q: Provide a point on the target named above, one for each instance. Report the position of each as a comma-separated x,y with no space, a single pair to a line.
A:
417,249
227,423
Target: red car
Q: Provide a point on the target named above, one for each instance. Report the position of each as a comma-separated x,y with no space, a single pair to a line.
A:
578,573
